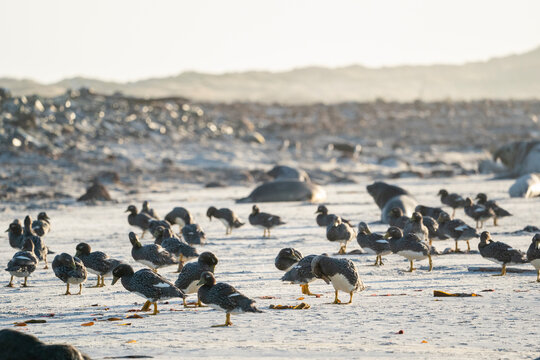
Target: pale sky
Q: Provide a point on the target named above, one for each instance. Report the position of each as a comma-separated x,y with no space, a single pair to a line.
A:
126,40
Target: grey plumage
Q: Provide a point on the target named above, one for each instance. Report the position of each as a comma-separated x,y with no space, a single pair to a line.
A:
176,246
499,252
478,212
264,220
224,297
341,273
151,255
70,270
341,232
456,229
491,204
434,231
410,246
533,255
16,345
42,225
372,243
40,250
140,220
226,216
417,227
193,234
149,211
300,273
286,258
147,284
23,263
96,262
191,274
453,200
154,224
179,216
15,234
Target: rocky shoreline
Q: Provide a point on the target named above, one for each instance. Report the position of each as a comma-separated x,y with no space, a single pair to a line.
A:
51,149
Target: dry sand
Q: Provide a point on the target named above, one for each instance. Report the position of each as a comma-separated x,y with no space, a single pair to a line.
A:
503,323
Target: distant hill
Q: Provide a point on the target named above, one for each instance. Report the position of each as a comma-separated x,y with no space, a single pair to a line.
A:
515,76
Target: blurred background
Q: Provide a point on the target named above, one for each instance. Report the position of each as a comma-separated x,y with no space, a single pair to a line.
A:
139,92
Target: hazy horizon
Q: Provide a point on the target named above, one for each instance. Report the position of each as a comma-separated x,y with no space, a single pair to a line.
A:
127,41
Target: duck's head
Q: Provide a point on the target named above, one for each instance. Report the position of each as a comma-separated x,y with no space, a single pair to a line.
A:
286,258
43,216
15,228
393,233
134,240
131,209
255,210
82,249
363,228
66,260
208,258
485,237
396,212
121,271
322,210
443,192
210,212
145,205
207,278
443,217
481,197
416,217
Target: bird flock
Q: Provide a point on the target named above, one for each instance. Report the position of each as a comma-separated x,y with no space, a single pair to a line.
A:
409,237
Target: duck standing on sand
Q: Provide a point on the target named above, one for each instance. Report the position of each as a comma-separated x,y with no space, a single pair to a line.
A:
478,212
23,263
453,200
533,255
96,262
224,297
409,246
70,270
264,220
372,243
151,255
140,220
491,204
226,216
151,286
499,252
457,230
191,274
341,232
341,273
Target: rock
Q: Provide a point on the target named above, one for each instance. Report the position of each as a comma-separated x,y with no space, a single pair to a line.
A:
285,190
527,186
520,157
96,192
